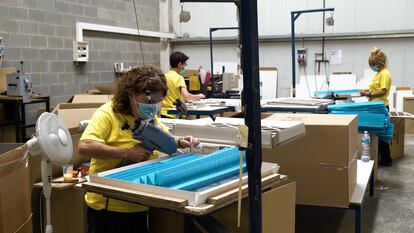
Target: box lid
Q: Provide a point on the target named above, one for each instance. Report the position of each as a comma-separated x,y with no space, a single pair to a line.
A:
85,98
315,119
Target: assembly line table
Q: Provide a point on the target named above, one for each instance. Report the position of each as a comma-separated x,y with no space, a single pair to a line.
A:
199,214
201,111
365,176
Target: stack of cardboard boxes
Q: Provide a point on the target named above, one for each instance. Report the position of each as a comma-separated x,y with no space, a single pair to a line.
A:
323,162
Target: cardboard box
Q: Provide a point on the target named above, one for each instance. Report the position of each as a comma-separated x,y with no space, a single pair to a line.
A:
4,71
100,99
73,113
409,107
67,210
278,214
323,162
27,227
374,152
397,142
8,134
15,190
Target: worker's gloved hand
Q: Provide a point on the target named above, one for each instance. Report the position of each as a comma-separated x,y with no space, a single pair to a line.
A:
188,141
137,154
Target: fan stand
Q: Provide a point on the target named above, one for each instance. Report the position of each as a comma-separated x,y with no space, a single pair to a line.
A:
54,144
46,170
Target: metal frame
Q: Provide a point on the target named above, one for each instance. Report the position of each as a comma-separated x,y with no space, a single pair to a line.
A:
211,42
249,38
293,16
217,1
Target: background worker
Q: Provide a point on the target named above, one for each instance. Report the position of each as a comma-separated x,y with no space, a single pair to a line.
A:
177,89
379,88
138,94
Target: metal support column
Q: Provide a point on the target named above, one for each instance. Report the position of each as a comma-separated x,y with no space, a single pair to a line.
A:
358,215
250,66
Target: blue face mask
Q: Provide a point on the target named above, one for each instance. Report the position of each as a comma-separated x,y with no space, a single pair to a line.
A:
147,111
375,68
182,70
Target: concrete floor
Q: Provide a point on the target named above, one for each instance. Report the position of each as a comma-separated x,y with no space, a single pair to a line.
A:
391,210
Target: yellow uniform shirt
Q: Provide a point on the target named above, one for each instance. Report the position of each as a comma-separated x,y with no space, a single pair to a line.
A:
381,81
105,127
174,82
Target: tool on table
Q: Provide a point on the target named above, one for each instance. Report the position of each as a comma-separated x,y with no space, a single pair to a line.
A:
181,107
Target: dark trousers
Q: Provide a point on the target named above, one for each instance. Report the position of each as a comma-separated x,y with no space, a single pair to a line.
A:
384,151
104,221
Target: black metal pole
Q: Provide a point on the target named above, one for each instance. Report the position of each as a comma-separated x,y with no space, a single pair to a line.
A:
211,51
293,42
211,43
250,66
293,16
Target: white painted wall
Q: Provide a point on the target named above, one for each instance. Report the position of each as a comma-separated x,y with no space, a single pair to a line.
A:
274,16
354,58
351,16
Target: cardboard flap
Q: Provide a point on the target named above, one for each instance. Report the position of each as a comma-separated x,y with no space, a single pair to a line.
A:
15,190
91,98
315,119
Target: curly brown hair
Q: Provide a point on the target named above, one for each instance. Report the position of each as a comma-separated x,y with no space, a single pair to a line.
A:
377,58
135,82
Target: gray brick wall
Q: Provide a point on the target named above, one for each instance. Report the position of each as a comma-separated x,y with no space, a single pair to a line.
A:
41,32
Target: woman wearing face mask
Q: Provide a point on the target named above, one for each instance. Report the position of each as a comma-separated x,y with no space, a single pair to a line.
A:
177,88
379,89
138,94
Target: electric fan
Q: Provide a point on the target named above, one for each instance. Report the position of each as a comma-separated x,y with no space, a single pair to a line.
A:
54,144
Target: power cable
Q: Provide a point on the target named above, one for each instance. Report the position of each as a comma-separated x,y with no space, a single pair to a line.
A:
139,34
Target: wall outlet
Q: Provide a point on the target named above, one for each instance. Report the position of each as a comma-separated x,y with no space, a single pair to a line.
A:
80,51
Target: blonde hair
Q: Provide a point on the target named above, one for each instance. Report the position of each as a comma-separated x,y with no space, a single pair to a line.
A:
377,58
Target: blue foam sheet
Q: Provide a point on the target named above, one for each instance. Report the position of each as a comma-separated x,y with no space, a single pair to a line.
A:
187,172
373,116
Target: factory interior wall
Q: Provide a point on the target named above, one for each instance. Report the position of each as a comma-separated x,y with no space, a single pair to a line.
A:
278,54
41,33
351,16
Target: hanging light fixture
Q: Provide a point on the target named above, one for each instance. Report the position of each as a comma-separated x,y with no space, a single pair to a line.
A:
184,15
330,20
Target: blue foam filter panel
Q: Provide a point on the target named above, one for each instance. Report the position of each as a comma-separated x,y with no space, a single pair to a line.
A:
188,172
373,117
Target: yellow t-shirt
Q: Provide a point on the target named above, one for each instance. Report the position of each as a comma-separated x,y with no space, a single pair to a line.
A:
105,127
381,81
174,82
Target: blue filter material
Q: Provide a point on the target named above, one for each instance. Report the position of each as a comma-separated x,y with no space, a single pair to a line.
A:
373,117
187,172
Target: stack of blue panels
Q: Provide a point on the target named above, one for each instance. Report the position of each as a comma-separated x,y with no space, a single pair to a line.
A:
373,117
188,172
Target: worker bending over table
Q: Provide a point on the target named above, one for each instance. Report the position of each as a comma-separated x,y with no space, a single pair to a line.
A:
138,95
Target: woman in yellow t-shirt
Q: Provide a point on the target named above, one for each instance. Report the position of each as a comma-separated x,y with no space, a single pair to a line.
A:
177,89
138,94
379,88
